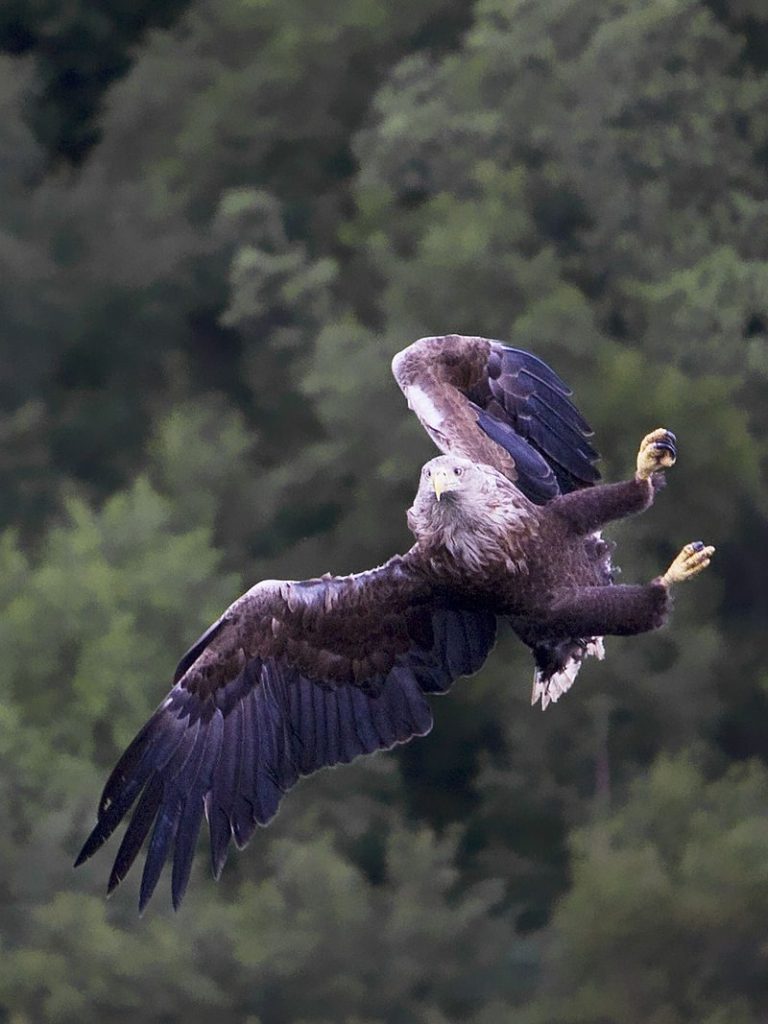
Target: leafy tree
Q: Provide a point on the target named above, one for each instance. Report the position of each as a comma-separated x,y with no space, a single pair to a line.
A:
664,921
79,49
124,262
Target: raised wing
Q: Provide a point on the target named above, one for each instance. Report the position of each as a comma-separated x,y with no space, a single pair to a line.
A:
294,676
501,406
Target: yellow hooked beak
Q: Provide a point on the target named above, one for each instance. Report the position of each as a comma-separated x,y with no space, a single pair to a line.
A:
440,482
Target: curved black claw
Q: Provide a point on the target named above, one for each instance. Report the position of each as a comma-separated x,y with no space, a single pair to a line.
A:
668,443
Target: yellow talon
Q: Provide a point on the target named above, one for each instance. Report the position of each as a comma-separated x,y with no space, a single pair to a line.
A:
692,560
658,450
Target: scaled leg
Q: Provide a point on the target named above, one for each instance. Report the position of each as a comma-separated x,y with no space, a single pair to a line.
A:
693,559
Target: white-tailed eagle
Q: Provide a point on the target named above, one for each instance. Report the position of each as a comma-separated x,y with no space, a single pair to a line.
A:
298,675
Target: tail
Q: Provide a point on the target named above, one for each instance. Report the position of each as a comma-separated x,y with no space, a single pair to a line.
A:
558,664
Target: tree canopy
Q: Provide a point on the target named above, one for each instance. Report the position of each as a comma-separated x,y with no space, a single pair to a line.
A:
219,223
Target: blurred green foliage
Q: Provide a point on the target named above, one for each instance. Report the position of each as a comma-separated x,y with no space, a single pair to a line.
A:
219,222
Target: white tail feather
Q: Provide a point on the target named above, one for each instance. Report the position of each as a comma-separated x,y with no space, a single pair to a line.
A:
549,690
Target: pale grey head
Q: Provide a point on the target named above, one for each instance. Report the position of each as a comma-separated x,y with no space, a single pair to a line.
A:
467,508
453,480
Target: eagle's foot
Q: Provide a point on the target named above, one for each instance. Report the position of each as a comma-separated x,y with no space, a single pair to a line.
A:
658,450
692,560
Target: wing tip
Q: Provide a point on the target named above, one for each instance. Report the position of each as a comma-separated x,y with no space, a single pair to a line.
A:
92,844
82,857
114,880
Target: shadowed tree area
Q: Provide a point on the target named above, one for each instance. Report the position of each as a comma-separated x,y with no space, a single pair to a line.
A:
220,220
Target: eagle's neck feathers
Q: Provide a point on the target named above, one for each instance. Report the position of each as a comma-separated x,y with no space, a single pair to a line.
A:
475,533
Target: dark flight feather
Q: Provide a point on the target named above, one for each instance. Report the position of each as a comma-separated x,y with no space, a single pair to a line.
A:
541,483
234,735
501,406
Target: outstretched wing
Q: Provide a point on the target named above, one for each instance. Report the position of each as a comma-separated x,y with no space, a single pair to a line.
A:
501,406
294,676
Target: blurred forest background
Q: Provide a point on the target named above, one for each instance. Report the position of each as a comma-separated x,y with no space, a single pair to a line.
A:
219,220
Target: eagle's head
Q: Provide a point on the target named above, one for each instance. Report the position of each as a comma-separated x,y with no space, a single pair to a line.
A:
469,511
453,492
452,479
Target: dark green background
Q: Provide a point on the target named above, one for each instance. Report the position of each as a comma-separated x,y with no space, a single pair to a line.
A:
219,219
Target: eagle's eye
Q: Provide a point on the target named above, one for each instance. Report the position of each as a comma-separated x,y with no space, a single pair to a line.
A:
458,470
427,473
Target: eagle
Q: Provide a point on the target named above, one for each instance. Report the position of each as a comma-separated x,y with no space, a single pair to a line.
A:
295,676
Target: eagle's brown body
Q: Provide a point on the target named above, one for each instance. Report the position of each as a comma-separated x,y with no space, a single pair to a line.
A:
542,567
298,675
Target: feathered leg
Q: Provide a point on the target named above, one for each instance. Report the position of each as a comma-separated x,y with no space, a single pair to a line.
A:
612,610
576,624
596,611
588,509
578,621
